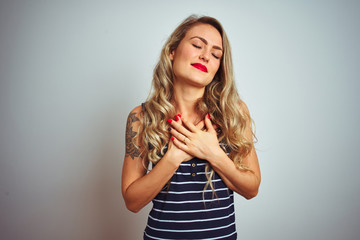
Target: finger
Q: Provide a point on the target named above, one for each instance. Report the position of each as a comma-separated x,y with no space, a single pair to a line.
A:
178,119
180,144
208,124
200,125
190,125
178,127
177,135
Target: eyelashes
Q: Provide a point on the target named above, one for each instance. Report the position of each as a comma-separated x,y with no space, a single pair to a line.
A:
215,56
198,47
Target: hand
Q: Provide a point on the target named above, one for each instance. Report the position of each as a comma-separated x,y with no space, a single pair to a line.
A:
194,141
176,153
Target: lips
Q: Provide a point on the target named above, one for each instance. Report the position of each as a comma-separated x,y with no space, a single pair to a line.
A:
199,66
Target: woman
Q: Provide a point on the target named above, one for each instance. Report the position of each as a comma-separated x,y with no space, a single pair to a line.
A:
196,134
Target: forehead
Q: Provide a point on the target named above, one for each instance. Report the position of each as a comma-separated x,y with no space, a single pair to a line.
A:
206,31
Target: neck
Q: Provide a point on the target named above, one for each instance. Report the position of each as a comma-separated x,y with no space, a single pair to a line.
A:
185,99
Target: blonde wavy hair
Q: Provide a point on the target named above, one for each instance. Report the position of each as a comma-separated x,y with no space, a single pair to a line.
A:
220,100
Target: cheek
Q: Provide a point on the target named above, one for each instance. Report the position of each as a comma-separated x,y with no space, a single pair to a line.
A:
182,59
186,53
215,67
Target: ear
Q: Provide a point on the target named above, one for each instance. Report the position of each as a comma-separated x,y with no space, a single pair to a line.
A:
171,55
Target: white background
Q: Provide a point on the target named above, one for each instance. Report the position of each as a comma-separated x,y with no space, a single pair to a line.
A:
72,70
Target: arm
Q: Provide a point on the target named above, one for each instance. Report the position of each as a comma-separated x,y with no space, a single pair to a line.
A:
138,186
246,183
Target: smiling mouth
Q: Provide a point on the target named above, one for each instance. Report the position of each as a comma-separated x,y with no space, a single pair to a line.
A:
199,66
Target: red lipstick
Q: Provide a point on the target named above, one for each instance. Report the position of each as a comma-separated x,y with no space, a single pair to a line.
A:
199,66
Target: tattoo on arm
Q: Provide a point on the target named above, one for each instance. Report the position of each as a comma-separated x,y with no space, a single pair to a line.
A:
131,149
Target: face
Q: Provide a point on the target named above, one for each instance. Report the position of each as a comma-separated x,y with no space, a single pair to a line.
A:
197,58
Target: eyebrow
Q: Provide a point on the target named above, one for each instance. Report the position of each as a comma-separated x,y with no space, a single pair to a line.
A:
206,42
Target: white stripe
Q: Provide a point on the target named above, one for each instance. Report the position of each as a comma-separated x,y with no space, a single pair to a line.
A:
191,230
201,191
186,173
196,182
222,237
190,221
189,164
193,201
156,238
192,211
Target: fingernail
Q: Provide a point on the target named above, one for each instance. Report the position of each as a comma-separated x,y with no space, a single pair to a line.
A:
177,118
208,116
172,138
169,120
179,115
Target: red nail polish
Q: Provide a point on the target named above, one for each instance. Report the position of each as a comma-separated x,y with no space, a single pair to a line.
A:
208,116
177,118
179,115
172,138
169,120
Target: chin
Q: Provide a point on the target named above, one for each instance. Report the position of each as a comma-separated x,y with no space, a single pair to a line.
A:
200,83
195,80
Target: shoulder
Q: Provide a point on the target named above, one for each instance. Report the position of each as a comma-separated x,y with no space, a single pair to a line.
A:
133,130
135,114
134,119
136,111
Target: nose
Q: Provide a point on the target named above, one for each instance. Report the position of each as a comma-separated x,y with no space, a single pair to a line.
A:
205,56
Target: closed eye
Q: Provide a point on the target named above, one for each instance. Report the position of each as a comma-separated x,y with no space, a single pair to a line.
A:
216,56
196,46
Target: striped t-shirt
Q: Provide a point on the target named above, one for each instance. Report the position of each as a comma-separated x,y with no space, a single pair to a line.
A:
181,211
